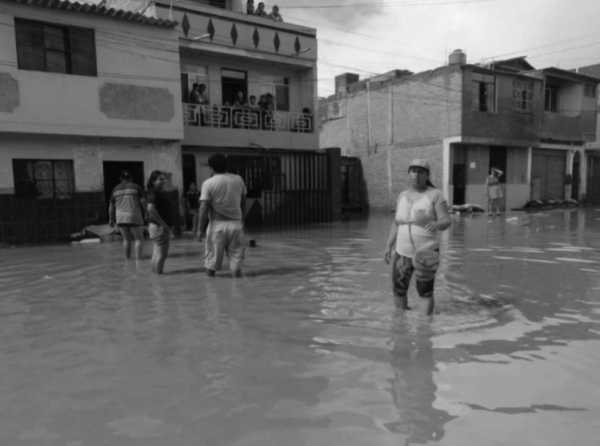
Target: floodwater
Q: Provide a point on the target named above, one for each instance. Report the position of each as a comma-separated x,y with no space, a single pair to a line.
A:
308,348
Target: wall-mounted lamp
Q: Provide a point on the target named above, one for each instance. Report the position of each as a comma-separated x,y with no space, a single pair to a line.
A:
302,51
201,37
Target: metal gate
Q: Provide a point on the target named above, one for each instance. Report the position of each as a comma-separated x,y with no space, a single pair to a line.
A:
593,179
285,187
548,174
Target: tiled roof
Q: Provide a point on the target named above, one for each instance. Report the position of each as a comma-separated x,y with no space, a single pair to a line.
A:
100,9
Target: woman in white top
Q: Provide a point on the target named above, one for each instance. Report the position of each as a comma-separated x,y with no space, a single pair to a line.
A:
494,191
421,212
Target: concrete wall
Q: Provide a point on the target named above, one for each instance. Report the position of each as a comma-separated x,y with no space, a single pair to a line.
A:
477,160
136,93
394,122
505,123
198,17
88,155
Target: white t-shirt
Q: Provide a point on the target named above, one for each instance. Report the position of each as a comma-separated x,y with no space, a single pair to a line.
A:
418,207
224,192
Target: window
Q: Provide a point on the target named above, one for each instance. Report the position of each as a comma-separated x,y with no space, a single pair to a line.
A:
232,82
44,179
522,95
55,48
484,93
590,90
551,98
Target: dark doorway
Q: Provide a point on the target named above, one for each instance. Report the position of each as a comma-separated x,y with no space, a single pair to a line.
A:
189,171
112,174
233,81
576,176
593,178
459,181
498,161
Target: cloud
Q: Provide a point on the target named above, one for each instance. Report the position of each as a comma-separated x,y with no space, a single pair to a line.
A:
347,13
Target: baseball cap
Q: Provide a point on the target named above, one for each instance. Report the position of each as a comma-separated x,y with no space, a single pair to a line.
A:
420,163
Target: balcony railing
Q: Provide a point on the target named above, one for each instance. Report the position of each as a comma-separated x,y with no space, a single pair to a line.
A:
246,118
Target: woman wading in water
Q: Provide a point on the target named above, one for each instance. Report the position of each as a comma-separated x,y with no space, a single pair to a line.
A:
413,246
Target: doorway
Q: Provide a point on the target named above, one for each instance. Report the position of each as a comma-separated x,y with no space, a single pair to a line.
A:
233,81
576,176
459,183
498,161
112,174
189,170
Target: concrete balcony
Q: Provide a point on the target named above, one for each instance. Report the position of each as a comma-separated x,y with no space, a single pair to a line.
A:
221,31
562,127
218,126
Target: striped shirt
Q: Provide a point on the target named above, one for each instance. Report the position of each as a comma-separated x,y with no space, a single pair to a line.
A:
126,201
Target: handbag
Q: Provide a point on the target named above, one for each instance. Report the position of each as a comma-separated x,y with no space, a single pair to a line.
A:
426,260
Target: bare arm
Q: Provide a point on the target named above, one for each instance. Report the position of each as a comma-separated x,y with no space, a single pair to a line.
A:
203,217
443,217
391,241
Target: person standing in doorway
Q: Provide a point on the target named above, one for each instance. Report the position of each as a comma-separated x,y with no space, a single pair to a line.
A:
192,203
159,218
126,210
494,191
413,246
222,205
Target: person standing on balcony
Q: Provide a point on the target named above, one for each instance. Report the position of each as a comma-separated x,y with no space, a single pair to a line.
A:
413,246
260,10
250,7
274,15
159,218
494,191
126,210
222,206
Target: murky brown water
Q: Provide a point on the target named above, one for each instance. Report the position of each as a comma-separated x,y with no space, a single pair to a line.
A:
308,349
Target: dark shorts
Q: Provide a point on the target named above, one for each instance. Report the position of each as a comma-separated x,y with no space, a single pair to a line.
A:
403,270
131,232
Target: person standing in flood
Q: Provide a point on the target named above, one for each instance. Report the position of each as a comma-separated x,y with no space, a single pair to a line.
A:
413,246
222,206
126,210
494,191
159,218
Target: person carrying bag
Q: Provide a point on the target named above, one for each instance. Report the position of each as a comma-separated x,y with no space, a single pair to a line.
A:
412,246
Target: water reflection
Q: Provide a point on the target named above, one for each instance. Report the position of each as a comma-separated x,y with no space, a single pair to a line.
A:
412,386
307,348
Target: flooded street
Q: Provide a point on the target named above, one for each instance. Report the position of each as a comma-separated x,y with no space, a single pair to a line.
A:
308,348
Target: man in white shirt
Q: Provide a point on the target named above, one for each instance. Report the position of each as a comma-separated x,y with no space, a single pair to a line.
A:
222,204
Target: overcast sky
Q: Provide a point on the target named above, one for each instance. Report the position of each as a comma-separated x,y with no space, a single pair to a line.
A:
377,36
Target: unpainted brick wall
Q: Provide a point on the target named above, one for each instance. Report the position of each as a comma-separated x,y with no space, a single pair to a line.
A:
426,108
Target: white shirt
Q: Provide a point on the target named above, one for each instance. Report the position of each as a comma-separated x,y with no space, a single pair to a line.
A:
418,207
224,193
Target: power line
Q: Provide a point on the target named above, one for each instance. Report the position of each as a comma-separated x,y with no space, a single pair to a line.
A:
390,4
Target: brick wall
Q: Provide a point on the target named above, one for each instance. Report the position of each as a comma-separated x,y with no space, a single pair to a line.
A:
425,109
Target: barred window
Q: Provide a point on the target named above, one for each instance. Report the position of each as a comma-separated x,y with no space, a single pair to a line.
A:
44,179
55,48
523,95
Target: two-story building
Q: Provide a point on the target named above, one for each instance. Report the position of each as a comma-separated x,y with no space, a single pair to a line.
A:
466,119
249,90
592,158
85,91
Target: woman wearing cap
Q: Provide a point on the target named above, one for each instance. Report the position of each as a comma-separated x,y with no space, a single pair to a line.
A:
494,191
421,212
